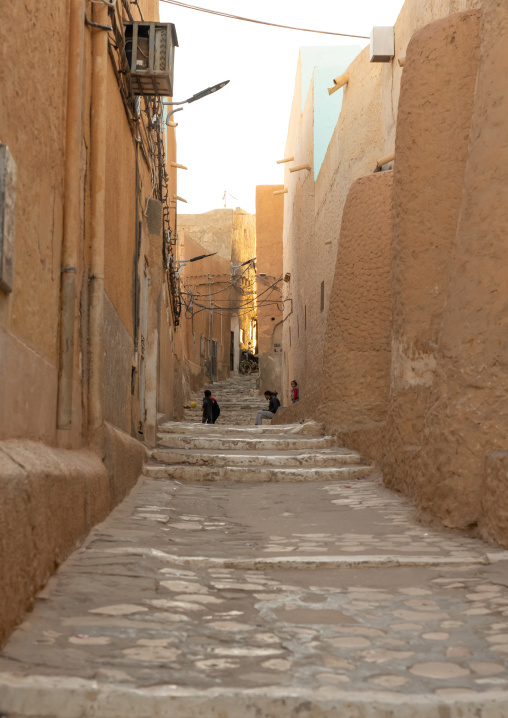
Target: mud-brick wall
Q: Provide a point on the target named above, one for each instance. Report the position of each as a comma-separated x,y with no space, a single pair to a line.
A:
356,357
434,118
32,125
269,226
464,476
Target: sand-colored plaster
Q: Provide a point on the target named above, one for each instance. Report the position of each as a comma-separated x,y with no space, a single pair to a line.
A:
120,243
269,228
49,500
364,132
358,334
269,225
469,399
35,103
434,118
210,276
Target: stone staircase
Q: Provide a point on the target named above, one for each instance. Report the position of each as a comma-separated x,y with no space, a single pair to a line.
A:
234,449
238,400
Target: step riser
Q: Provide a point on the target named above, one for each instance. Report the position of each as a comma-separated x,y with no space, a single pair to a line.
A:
190,474
190,442
193,428
221,460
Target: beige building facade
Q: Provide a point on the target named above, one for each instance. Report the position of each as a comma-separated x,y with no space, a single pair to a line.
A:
269,226
396,275
88,306
219,319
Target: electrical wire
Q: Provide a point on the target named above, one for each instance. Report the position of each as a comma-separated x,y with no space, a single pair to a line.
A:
258,22
228,286
251,302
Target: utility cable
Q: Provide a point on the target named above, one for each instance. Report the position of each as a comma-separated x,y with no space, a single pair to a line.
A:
259,22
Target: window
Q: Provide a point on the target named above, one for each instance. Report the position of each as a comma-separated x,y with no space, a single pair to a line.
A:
242,336
322,295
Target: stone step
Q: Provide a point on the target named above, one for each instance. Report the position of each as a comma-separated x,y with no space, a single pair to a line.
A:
187,427
255,474
327,458
261,442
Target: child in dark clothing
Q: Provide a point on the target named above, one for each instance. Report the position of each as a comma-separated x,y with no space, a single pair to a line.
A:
211,409
207,407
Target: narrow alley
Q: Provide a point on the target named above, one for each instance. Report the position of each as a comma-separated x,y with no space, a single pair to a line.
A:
261,571
290,222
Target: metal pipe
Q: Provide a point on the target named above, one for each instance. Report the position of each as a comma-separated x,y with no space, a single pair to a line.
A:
71,213
97,212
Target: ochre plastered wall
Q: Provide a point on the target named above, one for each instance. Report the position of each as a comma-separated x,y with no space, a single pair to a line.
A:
354,397
73,482
32,116
445,443
232,234
364,132
434,119
463,476
209,278
269,227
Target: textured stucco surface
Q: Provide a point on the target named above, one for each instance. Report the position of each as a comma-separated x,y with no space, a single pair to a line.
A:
210,276
434,118
468,408
269,228
364,132
51,497
232,235
358,334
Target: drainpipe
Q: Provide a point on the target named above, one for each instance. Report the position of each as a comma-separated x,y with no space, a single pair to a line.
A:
71,219
97,212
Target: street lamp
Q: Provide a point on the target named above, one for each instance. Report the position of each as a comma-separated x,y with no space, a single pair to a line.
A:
199,95
237,266
182,262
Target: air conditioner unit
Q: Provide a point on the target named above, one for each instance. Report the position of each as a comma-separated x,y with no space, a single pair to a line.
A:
150,51
382,44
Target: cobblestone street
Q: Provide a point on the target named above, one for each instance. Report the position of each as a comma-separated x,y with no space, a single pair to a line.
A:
222,594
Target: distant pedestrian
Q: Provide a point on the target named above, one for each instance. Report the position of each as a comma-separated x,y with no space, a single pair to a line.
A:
207,407
215,410
273,405
294,392
211,408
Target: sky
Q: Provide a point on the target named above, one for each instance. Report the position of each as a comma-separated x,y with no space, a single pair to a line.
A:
230,141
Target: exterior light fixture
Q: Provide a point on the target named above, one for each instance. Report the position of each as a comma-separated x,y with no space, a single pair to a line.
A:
199,95
180,263
249,261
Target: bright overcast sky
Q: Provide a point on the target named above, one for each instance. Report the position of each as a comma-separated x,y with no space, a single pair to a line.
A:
230,141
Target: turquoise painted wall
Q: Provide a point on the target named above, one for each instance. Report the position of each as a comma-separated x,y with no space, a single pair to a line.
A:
323,64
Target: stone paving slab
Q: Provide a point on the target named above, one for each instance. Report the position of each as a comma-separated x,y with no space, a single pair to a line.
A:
148,618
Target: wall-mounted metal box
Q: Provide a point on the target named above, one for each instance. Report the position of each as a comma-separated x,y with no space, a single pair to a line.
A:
382,44
7,200
150,51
